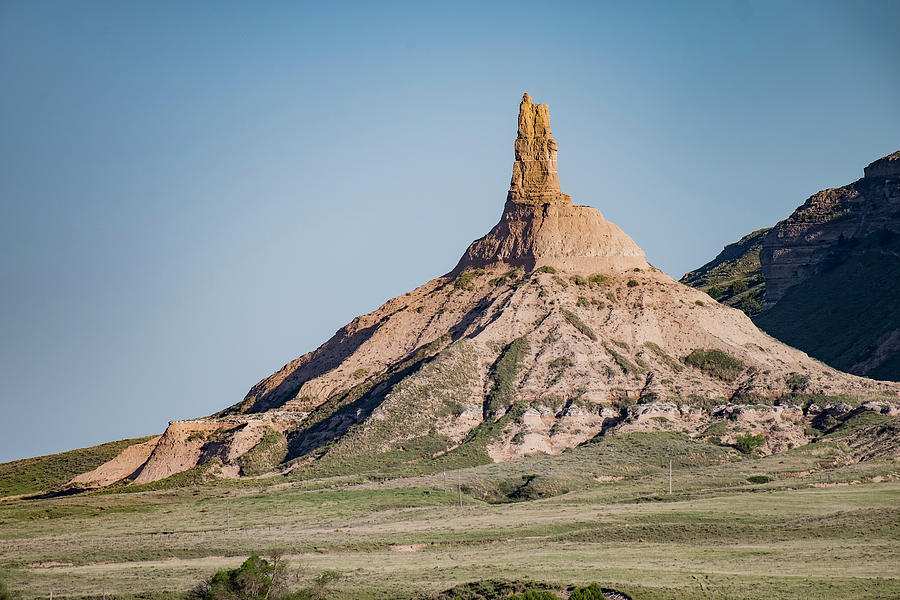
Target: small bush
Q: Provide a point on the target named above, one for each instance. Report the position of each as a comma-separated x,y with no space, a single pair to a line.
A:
611,297
797,382
546,269
738,287
748,443
714,292
579,280
583,302
759,479
715,363
632,283
699,302
597,278
258,579
591,592
750,306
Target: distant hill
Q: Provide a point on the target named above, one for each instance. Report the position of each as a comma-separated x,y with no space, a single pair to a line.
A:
734,277
827,278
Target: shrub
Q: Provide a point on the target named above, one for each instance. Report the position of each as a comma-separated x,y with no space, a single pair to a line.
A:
6,594
579,280
671,362
546,269
750,306
699,302
611,297
759,479
258,579
591,592
748,443
252,580
582,302
714,292
797,382
738,287
715,363
597,278
632,283
716,429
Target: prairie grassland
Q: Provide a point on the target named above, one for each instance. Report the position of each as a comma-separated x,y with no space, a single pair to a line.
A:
816,530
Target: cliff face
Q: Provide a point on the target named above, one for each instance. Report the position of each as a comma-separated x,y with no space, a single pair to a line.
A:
829,223
829,273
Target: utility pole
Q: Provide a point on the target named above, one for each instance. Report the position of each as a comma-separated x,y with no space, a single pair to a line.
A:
459,489
670,476
444,481
227,516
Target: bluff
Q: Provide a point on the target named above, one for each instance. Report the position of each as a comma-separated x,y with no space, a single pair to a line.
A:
826,278
829,225
552,329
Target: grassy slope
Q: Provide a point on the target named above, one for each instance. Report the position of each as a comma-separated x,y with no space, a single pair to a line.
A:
737,262
839,315
810,532
42,473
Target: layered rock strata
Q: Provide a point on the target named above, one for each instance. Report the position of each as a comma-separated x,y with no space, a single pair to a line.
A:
830,222
540,225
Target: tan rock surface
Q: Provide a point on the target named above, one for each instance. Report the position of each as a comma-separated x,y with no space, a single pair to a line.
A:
123,465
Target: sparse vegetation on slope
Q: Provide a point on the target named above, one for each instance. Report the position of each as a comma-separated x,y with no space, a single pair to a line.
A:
32,475
715,363
578,324
734,277
265,456
503,377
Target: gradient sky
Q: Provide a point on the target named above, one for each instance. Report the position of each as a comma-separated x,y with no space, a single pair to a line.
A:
193,195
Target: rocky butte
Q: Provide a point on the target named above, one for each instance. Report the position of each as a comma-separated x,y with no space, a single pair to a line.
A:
552,330
826,279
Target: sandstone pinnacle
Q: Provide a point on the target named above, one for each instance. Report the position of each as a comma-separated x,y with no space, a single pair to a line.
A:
540,225
534,177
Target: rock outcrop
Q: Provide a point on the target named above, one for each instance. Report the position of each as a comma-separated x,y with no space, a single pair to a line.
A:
829,275
829,223
540,225
551,330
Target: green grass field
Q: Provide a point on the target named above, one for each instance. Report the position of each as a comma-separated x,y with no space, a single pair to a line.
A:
819,529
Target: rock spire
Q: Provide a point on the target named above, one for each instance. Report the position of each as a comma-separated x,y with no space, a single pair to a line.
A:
534,177
540,225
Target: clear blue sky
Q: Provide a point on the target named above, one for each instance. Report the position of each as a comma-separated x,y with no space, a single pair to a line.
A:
193,194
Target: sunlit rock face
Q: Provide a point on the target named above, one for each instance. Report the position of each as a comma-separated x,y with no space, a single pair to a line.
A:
540,225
